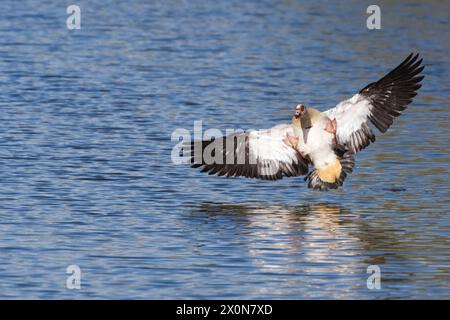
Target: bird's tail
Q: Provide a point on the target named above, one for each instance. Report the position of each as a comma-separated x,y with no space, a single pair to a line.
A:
333,175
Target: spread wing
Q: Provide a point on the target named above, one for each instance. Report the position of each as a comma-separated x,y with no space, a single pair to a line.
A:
256,154
379,102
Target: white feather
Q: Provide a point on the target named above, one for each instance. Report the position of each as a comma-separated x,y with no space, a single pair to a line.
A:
350,115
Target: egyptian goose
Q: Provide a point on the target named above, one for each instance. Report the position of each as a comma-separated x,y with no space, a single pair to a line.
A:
327,140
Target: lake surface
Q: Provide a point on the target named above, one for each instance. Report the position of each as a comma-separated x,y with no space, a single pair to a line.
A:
85,151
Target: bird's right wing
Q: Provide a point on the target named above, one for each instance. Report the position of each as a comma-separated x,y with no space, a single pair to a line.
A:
258,154
379,102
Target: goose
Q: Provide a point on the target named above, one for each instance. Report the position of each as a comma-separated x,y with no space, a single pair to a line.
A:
328,141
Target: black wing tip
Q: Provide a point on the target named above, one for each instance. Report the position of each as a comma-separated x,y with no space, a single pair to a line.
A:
412,58
409,69
416,63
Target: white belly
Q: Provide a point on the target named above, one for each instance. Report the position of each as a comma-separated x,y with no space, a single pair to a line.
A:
319,144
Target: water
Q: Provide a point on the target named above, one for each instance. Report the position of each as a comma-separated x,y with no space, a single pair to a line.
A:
87,178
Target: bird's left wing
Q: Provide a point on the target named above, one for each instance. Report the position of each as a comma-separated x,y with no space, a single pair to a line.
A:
258,154
379,102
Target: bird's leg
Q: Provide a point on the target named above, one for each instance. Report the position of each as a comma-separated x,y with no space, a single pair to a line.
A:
291,141
331,127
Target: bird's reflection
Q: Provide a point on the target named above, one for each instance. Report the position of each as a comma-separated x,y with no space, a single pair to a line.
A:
315,245
301,219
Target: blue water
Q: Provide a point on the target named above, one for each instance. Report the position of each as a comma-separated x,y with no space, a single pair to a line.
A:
85,151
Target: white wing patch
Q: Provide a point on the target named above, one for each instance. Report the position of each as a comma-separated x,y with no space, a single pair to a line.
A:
268,144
